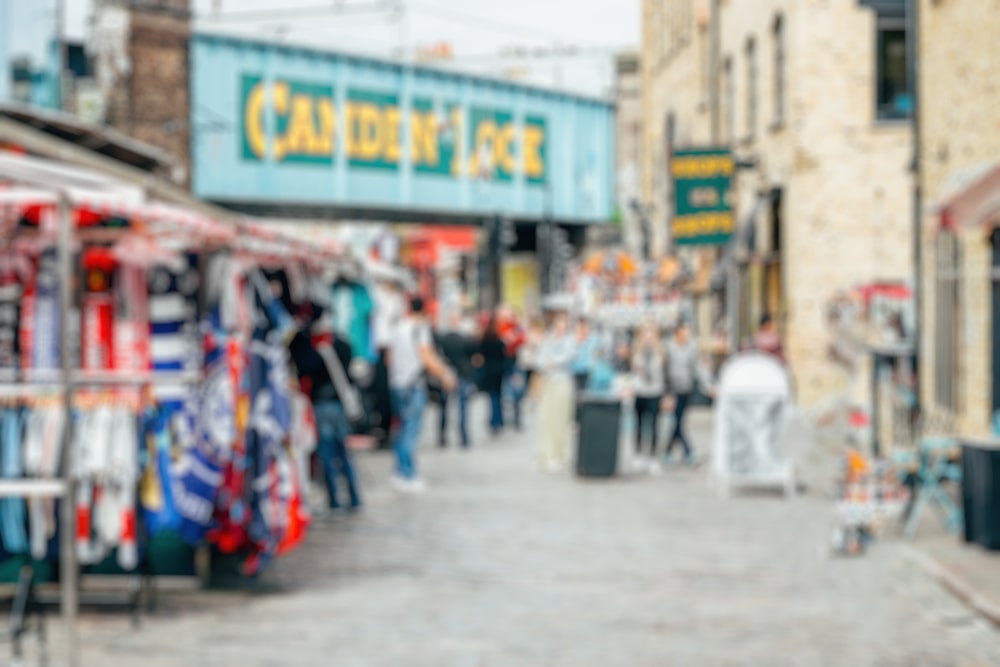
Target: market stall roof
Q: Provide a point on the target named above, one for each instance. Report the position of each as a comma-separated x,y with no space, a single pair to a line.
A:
30,137
102,140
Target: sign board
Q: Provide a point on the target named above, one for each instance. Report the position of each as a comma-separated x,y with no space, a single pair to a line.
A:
279,127
752,409
703,213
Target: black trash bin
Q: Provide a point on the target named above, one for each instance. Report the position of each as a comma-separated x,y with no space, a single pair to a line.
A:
597,445
981,493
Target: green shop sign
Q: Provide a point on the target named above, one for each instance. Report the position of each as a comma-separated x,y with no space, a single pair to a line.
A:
702,180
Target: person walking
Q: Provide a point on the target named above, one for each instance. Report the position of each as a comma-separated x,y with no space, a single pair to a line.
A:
493,353
458,349
649,381
332,427
527,356
683,375
555,358
512,334
411,357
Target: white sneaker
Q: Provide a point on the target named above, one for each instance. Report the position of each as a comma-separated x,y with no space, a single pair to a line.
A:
403,485
554,467
640,464
655,469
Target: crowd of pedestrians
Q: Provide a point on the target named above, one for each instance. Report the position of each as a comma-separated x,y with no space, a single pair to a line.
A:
555,360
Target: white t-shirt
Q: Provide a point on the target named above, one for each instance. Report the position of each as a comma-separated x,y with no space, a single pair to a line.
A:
405,365
388,311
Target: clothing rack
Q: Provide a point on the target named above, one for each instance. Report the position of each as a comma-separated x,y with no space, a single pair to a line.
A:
22,172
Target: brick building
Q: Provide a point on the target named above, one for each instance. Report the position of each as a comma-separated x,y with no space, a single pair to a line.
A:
812,98
142,68
959,93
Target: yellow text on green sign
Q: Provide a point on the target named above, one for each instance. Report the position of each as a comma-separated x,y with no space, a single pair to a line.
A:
295,122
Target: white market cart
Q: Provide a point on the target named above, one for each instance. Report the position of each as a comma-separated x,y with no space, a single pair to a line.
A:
753,406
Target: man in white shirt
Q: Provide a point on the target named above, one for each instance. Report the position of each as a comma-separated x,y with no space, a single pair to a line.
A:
411,355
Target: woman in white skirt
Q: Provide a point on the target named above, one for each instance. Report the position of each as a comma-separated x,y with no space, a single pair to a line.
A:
555,406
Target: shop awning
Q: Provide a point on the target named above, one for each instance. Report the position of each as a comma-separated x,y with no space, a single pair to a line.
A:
972,198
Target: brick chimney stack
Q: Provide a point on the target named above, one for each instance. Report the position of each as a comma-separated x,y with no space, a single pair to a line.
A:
143,69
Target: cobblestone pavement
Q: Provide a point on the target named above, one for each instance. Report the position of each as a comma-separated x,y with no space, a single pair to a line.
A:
499,564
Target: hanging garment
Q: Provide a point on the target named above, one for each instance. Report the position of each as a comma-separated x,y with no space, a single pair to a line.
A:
131,329
269,427
303,435
46,325
361,328
156,486
97,310
11,289
12,511
84,441
175,340
197,472
42,444
120,489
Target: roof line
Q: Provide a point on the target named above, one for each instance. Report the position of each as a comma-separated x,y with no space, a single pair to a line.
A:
109,135
37,141
207,36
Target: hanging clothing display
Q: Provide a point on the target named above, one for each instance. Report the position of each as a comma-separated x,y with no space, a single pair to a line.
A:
353,309
184,421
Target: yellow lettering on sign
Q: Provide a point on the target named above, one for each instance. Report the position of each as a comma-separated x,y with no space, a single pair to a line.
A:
423,139
327,127
503,148
363,140
486,138
702,167
253,120
301,137
534,138
458,129
391,148
703,224
279,100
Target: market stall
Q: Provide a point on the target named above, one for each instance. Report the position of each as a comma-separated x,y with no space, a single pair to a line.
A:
145,381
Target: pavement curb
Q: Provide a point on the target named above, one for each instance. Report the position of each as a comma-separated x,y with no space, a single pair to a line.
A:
954,584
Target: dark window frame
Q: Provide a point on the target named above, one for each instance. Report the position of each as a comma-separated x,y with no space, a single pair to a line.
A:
886,110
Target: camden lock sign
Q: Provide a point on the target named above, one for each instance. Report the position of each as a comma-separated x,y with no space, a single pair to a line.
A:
299,123
702,180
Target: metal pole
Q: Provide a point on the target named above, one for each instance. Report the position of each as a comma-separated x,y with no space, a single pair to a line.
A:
67,533
913,47
60,37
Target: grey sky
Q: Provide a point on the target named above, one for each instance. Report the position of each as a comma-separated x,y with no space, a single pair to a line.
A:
477,30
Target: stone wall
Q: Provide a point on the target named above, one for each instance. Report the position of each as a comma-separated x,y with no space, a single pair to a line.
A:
845,176
960,132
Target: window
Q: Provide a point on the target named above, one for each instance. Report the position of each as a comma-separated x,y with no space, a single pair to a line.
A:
947,339
729,88
751,56
894,99
779,70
